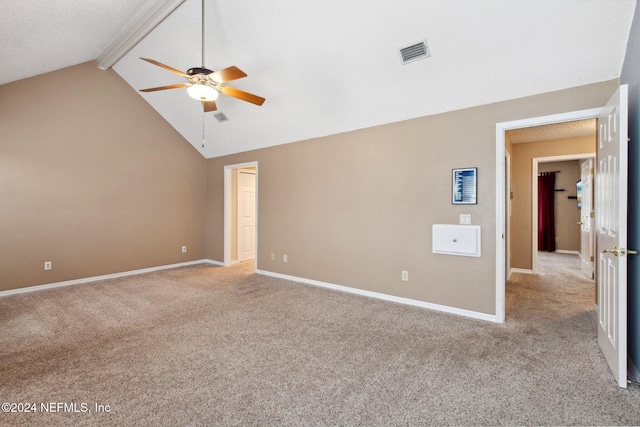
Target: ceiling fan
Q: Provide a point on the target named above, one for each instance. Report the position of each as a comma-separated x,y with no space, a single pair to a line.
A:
204,84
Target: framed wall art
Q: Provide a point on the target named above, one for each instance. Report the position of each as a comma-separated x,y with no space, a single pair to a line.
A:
464,186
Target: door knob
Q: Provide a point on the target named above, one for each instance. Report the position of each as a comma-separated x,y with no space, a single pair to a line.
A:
580,222
621,251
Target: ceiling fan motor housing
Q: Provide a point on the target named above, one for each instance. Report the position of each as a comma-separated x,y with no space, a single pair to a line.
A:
194,71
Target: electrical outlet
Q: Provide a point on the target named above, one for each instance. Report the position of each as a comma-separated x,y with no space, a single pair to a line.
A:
184,249
284,258
48,265
405,276
273,256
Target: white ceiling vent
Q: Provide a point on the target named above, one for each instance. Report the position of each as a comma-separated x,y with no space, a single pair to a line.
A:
221,117
414,52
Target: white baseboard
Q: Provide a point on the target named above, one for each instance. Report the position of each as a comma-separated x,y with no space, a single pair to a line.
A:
104,277
521,270
386,297
562,251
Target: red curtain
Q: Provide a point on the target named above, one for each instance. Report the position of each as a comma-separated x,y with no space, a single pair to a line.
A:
546,207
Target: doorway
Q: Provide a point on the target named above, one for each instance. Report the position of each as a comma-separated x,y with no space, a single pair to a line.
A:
611,230
241,213
501,200
569,230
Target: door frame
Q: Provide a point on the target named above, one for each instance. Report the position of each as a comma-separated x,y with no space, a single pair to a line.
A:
501,128
507,213
534,198
591,243
228,210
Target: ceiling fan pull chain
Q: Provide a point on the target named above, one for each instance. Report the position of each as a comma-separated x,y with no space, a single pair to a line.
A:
203,130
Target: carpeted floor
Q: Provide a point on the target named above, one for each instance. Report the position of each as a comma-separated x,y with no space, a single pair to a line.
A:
209,345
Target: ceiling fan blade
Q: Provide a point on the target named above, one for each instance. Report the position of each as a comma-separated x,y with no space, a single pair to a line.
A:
245,96
166,67
209,106
228,74
153,89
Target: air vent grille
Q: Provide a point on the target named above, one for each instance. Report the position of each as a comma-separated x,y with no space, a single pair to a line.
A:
221,117
414,52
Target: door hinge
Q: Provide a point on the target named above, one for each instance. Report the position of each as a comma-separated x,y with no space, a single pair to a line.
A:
591,258
591,171
591,215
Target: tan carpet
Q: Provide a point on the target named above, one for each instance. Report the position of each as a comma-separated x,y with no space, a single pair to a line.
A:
223,346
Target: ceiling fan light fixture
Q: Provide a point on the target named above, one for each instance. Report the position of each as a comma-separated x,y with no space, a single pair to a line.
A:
204,84
202,92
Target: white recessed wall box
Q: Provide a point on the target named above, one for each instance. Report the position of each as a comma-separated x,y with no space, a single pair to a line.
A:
454,239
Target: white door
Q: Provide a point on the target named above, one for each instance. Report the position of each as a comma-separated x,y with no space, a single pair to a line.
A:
611,233
507,215
586,218
246,214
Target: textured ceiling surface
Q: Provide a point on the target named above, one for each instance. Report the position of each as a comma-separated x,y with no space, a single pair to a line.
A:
329,66
554,131
40,36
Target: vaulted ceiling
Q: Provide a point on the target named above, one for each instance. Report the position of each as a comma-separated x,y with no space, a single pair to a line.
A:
328,66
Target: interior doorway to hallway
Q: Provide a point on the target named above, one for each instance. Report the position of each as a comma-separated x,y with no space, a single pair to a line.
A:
504,227
574,234
610,212
241,213
547,273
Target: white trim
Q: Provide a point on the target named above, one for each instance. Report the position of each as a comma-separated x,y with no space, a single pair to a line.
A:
104,277
138,27
563,251
500,222
386,297
501,128
228,210
507,213
521,271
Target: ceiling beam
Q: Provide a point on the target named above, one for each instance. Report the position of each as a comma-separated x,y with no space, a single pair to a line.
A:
139,26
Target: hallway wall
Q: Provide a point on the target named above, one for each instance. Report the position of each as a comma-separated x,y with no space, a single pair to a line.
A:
521,164
567,214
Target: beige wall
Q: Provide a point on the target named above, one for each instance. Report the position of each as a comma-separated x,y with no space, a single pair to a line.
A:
92,179
567,214
357,208
522,160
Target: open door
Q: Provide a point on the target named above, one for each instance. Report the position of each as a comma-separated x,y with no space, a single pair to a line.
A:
611,233
246,214
585,198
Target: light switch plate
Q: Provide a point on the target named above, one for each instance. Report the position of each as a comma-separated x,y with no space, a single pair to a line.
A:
465,219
